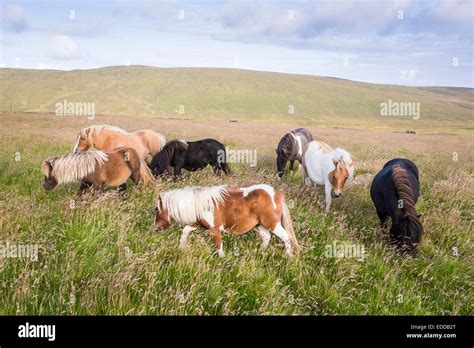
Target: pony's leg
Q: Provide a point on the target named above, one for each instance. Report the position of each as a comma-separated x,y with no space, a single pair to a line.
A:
84,186
122,189
327,190
292,163
225,167
383,222
281,233
216,232
217,169
176,172
265,236
183,241
305,176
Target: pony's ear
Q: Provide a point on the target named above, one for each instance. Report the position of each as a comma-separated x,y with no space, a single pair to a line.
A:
87,131
334,161
276,151
47,168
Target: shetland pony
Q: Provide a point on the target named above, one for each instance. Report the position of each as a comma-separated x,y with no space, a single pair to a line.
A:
94,168
394,191
324,166
234,210
107,138
290,148
190,155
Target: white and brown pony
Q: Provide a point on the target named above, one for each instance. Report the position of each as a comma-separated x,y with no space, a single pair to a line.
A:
94,169
145,142
324,166
234,210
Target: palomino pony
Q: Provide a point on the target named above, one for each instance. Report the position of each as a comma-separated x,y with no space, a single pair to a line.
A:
394,191
235,210
94,168
190,155
107,138
290,148
324,166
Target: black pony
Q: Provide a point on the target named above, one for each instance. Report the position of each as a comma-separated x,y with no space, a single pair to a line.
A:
290,148
395,191
190,155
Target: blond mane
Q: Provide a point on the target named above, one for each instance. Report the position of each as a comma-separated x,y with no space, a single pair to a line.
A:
96,129
74,166
189,204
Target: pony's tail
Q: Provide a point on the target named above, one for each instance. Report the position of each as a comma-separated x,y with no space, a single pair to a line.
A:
288,225
412,234
146,174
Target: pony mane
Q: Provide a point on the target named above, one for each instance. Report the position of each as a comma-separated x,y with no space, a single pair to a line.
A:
74,166
339,154
286,143
405,193
162,159
96,129
189,204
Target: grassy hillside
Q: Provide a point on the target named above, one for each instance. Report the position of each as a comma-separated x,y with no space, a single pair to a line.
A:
222,94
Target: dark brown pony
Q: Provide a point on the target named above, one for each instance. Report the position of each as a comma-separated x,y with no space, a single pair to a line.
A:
394,191
95,168
290,148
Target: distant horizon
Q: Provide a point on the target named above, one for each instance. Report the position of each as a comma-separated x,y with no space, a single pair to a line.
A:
242,69
395,42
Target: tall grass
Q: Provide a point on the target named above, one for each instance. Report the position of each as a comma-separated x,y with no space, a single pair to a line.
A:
98,255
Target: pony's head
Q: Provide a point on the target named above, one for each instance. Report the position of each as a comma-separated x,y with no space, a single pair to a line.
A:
162,217
338,176
406,233
162,160
50,181
285,150
84,140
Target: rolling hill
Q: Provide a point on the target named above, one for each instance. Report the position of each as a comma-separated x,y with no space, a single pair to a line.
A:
232,94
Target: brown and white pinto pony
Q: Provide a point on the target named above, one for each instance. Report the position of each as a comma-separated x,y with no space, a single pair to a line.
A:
324,166
107,138
94,169
233,210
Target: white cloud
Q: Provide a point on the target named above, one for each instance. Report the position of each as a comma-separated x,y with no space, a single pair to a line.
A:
455,10
14,17
63,47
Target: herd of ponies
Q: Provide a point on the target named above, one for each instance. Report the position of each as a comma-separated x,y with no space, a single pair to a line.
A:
107,156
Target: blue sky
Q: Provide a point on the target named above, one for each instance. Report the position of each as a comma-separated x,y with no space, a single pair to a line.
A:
398,42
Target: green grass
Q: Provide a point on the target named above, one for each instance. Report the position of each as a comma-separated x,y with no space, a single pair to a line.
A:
223,94
100,257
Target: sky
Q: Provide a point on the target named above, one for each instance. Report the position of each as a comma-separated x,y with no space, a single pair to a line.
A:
406,42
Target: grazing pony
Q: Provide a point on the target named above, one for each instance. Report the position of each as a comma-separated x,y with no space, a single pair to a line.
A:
107,138
94,168
290,148
190,155
324,166
394,191
235,210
